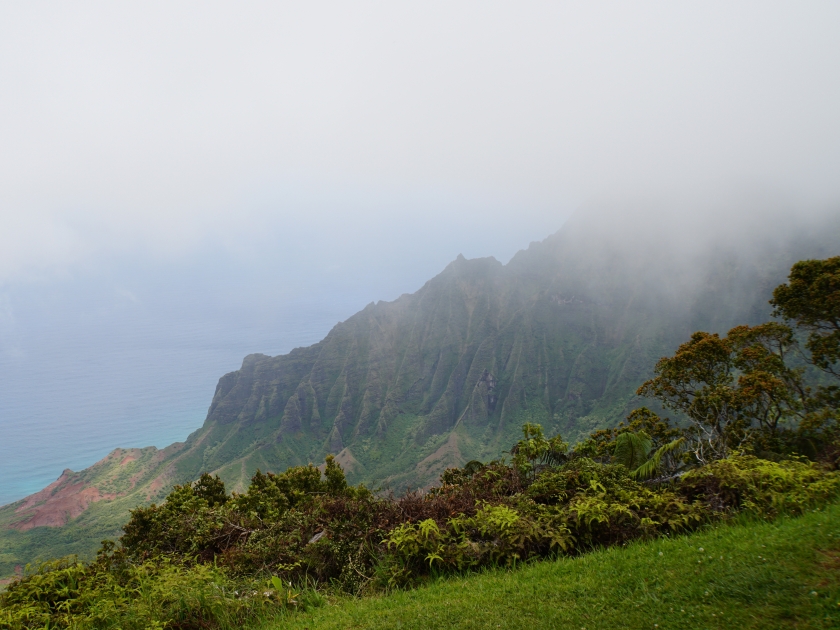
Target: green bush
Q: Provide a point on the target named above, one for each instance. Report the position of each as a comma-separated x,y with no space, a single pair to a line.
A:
203,559
68,594
760,486
495,535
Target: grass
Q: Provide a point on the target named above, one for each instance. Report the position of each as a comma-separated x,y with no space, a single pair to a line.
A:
780,574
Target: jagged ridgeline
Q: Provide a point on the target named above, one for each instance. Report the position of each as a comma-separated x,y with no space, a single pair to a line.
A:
562,335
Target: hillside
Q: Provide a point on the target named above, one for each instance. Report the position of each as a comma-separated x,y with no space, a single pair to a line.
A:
562,335
783,574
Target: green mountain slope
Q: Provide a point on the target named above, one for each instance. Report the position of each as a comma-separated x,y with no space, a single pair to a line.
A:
562,335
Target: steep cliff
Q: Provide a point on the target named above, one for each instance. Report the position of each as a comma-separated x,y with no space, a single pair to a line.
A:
561,335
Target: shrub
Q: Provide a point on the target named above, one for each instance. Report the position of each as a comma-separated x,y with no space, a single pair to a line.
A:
203,559
759,486
164,593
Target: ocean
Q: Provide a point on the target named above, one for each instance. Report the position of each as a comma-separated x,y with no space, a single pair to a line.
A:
87,366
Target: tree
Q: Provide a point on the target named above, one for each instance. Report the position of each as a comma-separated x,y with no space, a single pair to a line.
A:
811,300
211,489
730,386
768,391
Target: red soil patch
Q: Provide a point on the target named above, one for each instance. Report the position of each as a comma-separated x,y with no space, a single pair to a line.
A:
163,479
64,499
69,495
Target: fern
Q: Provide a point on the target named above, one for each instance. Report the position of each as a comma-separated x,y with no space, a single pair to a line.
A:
651,466
631,449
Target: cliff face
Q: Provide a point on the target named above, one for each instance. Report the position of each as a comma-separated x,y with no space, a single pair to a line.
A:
561,335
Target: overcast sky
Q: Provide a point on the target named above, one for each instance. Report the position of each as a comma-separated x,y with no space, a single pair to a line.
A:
154,128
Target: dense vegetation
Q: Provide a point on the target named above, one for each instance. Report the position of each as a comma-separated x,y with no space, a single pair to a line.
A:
561,336
760,437
751,575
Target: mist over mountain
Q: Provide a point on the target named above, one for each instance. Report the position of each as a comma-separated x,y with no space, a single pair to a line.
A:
561,335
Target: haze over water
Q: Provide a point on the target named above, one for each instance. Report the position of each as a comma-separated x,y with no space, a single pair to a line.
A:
83,374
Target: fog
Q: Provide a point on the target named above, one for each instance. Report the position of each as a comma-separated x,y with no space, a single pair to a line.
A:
182,184
156,129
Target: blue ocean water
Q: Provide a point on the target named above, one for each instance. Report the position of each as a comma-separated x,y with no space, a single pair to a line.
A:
130,357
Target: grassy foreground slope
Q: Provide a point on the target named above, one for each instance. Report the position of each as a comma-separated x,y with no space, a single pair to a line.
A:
780,574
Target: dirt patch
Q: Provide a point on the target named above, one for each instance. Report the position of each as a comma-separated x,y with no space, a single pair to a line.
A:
346,460
64,499
154,487
163,480
446,456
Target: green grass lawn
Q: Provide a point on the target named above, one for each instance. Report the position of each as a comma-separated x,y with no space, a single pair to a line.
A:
782,574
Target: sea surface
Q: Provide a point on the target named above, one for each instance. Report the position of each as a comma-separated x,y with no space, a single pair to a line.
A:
87,365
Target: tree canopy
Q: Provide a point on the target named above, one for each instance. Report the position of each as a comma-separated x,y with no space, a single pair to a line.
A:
811,300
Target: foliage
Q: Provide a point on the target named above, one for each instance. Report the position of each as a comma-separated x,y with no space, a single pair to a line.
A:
601,443
759,486
631,449
750,575
535,451
811,299
494,535
731,387
740,391
203,559
654,465
164,593
631,444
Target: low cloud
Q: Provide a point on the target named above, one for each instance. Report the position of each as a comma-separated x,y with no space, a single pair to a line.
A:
159,130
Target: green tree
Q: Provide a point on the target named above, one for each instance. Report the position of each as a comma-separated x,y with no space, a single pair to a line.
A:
730,386
811,300
211,489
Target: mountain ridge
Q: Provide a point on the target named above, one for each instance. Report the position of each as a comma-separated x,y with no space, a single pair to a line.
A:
562,335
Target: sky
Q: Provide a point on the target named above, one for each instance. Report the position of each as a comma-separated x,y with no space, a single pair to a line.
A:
182,183
158,131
